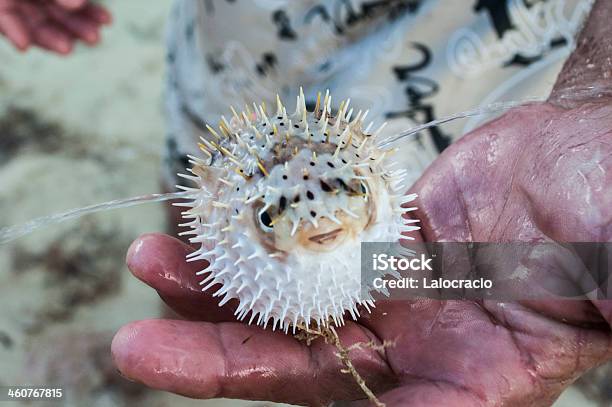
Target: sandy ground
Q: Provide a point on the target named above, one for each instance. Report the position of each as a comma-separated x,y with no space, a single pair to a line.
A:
75,132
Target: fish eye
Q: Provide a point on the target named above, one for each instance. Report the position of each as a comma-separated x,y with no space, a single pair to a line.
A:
265,221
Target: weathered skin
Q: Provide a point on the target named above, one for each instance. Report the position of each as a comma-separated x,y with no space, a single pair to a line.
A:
540,170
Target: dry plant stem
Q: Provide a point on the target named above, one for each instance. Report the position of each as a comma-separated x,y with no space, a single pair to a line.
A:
329,335
343,355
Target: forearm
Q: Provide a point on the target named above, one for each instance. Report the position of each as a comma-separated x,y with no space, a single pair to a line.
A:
587,73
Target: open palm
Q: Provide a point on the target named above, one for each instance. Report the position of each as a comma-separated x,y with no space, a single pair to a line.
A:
445,352
540,172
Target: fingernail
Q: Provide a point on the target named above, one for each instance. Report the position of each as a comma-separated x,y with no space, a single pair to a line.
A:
64,48
92,38
131,257
72,4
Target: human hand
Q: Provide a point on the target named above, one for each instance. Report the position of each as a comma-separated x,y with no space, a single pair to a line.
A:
446,352
541,171
54,25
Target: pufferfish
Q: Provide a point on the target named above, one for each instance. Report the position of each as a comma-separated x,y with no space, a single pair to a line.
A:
281,205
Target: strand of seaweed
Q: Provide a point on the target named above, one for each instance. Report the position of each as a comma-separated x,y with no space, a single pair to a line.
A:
329,335
14,232
492,108
11,233
572,93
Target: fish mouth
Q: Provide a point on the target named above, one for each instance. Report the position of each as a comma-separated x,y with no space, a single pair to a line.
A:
323,238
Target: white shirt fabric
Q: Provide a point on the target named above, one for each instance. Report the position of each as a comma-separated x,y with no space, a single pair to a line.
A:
407,61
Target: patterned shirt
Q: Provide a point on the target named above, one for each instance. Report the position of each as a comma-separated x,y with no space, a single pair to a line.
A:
407,61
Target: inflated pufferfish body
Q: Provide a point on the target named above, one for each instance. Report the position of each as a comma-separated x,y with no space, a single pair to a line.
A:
281,207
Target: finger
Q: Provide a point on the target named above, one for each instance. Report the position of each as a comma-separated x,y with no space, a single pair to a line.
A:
71,4
426,393
52,37
97,13
586,72
160,262
15,30
44,33
78,25
232,360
